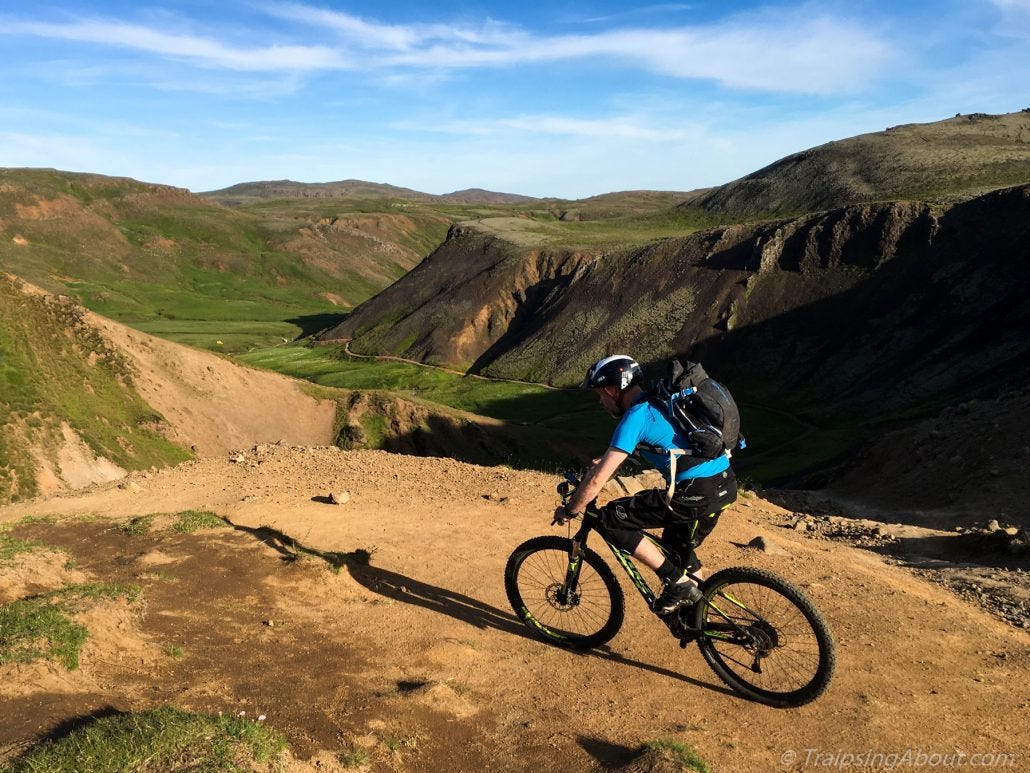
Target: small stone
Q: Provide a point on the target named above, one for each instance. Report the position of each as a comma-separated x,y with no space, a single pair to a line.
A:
993,525
237,458
1012,531
758,543
270,623
339,497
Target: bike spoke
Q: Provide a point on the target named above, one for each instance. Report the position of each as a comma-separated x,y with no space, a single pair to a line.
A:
789,657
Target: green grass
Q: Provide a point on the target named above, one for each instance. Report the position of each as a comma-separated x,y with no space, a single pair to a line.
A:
186,522
522,403
355,758
11,547
189,521
679,753
138,525
164,739
39,627
174,651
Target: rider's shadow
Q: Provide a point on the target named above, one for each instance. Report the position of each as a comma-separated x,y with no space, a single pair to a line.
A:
459,606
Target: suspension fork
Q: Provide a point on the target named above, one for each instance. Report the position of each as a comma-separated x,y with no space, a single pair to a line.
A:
568,588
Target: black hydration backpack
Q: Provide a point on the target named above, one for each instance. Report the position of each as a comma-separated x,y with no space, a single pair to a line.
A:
701,407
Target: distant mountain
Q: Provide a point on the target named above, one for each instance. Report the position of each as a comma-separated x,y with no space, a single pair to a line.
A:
288,189
948,160
480,196
139,252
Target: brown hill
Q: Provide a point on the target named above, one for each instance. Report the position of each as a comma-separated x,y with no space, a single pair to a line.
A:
84,399
354,189
289,189
480,196
947,160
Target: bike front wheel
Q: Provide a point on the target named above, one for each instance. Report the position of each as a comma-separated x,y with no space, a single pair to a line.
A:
764,637
587,614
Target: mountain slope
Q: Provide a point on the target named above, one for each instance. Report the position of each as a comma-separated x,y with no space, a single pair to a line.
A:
866,314
143,252
947,160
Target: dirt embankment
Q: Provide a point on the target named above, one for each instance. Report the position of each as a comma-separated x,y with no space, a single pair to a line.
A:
212,404
416,661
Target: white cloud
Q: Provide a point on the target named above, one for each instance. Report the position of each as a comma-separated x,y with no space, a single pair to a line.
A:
203,50
622,128
792,53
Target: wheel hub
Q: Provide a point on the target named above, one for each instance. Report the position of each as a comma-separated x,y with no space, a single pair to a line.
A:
555,598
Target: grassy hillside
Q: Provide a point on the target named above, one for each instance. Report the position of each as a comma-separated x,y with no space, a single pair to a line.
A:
55,368
173,263
943,161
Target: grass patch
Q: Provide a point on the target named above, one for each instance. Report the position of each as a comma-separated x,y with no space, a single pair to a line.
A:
39,627
174,651
165,739
678,753
189,521
11,547
354,758
139,525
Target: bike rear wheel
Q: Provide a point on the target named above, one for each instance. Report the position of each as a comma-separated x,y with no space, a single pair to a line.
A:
580,617
764,637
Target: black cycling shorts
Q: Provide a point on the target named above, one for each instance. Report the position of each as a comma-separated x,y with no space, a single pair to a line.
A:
694,512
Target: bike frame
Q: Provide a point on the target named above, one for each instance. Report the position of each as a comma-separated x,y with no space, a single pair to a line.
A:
621,557
728,630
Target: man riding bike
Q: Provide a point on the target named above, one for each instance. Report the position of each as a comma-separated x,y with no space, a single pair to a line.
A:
703,488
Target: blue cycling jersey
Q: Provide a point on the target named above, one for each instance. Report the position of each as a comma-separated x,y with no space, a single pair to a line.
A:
645,424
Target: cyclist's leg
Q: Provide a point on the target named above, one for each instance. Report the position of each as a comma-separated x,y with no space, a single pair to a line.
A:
698,503
622,523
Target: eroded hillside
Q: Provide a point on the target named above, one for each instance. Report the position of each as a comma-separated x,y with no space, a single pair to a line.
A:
872,313
163,258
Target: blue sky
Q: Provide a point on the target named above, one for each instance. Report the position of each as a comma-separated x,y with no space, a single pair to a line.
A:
560,98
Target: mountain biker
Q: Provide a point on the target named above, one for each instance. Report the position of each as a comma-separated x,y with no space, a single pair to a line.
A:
703,487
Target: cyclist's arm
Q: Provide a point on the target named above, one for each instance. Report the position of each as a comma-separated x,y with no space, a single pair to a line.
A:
595,479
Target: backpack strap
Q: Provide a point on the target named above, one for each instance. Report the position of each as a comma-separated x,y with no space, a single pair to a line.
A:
674,454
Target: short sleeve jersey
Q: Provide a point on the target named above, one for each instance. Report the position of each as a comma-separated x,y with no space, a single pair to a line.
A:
645,425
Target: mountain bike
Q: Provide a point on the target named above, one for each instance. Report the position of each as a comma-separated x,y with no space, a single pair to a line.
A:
760,634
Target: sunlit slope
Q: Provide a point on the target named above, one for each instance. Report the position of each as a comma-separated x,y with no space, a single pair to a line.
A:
69,408
946,160
157,255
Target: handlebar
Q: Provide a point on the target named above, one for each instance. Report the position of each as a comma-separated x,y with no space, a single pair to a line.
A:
570,482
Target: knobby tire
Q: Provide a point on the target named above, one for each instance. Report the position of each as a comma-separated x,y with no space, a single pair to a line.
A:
534,572
798,655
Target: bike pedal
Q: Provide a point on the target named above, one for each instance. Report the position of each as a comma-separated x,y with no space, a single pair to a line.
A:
683,643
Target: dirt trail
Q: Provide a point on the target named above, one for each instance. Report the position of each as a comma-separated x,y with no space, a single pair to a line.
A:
418,658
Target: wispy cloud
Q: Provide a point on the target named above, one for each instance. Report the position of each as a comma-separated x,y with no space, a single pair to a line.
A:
782,54
203,50
616,128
